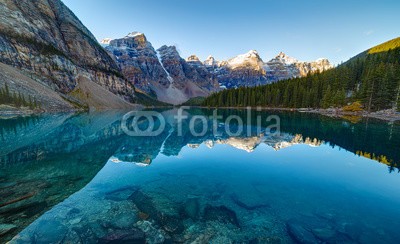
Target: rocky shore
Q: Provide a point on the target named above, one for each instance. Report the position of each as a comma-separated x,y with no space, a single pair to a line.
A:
387,115
390,115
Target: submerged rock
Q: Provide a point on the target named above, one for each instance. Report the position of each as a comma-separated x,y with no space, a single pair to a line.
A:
221,214
121,194
316,230
153,235
172,224
6,228
299,233
124,236
247,206
51,231
148,210
191,208
145,204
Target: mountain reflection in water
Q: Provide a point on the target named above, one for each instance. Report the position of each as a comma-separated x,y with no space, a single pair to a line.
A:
196,188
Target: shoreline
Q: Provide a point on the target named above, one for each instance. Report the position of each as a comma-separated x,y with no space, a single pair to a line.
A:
385,115
390,115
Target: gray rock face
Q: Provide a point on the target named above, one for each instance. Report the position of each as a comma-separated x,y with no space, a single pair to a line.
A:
162,73
184,72
45,38
139,62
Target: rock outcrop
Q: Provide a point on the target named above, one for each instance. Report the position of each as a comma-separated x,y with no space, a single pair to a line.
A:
46,40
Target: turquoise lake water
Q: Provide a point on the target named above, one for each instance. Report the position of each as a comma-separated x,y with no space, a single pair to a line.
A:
78,178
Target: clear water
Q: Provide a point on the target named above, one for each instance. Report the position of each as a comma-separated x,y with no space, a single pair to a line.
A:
80,179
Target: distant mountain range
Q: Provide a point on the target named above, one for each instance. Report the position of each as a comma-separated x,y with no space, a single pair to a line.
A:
164,74
250,70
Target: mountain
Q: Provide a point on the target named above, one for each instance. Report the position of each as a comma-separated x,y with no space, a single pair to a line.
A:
250,70
160,73
370,80
284,67
243,70
167,77
46,53
49,59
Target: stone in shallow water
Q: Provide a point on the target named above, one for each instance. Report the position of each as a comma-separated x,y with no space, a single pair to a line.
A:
144,204
324,233
191,208
310,229
299,233
50,231
221,214
124,236
121,194
153,235
172,224
6,228
248,205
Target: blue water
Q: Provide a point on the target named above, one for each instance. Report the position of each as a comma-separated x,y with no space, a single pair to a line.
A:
299,186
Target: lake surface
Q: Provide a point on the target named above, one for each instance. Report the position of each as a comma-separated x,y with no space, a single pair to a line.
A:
79,178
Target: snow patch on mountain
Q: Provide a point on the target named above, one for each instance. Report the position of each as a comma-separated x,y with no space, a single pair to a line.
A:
134,34
106,42
169,77
283,58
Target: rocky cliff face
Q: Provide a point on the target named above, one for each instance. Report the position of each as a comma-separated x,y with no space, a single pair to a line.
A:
139,61
162,73
46,39
250,70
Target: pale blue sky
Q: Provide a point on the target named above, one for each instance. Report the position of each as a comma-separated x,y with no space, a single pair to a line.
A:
306,30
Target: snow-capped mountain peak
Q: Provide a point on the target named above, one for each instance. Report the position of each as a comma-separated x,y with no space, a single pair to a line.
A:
282,57
134,34
251,57
210,61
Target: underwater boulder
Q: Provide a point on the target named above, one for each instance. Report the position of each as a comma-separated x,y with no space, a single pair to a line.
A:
172,224
124,236
145,204
6,228
191,209
221,214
